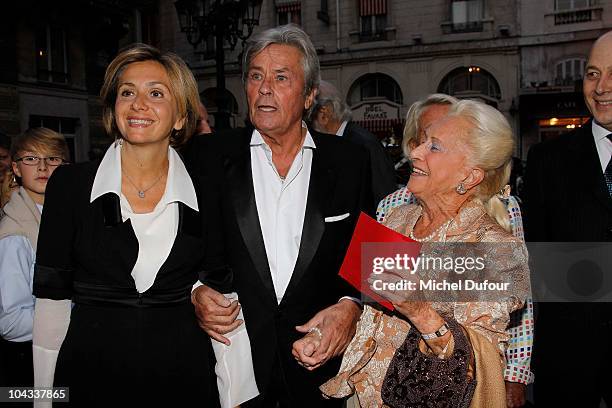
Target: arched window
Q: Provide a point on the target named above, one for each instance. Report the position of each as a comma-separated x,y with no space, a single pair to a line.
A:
471,82
570,70
376,101
374,86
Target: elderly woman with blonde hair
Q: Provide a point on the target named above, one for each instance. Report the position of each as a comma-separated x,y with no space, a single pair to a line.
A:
448,353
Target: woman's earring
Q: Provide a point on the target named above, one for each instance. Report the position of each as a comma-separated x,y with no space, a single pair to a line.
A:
461,189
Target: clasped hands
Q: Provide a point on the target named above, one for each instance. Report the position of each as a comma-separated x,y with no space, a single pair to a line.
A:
326,335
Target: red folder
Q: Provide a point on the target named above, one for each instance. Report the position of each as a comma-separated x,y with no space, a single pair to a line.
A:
356,270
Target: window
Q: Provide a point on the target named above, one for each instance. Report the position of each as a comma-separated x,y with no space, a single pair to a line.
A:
551,128
289,13
51,54
373,20
323,14
471,82
375,86
66,126
467,15
564,5
570,70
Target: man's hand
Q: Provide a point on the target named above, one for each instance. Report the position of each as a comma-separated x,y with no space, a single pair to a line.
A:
515,394
216,313
328,334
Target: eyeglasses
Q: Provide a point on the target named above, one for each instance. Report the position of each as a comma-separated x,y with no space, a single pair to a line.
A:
52,161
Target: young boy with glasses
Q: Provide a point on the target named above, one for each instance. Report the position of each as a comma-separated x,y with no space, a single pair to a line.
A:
35,155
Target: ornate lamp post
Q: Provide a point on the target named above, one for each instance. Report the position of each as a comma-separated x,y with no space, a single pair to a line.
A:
226,20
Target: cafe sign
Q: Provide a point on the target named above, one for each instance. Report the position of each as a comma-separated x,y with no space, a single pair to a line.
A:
377,110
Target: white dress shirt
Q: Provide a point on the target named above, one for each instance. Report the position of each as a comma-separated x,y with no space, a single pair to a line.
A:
603,144
340,130
281,206
155,231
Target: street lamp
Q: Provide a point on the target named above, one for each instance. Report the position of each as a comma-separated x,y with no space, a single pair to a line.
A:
226,20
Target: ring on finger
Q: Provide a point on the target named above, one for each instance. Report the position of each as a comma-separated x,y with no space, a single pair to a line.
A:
317,331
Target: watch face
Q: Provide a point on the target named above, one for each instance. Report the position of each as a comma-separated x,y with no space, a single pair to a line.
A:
438,333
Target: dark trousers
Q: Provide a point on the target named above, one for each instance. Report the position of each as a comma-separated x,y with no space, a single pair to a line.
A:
573,355
278,394
16,367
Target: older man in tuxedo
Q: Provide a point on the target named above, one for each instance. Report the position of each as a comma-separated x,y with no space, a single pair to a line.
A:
290,198
568,199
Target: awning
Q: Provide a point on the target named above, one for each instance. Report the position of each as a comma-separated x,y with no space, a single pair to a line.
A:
383,127
285,6
372,7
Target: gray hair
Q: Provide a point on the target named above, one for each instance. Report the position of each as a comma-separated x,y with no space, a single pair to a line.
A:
293,36
329,95
411,129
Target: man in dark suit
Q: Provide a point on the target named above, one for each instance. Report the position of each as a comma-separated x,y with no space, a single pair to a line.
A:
331,115
568,200
288,201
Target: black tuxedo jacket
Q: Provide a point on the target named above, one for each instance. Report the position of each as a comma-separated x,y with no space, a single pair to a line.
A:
339,184
383,173
566,195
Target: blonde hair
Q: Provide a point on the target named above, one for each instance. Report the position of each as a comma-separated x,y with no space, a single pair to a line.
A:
39,139
411,129
182,85
490,143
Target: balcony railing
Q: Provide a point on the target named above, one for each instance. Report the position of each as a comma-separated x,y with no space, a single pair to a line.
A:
577,15
365,36
448,27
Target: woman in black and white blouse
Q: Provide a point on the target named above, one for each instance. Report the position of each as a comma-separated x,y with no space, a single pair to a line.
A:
122,239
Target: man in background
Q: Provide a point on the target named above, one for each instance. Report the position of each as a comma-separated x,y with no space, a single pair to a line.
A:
568,198
332,115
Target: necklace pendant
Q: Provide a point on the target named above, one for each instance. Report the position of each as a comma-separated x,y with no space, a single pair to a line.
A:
141,194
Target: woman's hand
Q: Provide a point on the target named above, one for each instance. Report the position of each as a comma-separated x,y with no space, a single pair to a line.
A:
421,315
408,300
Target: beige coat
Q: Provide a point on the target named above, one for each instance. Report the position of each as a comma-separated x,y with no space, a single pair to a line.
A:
21,217
379,334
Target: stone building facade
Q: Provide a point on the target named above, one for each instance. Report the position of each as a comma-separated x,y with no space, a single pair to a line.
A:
525,57
385,54
53,59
